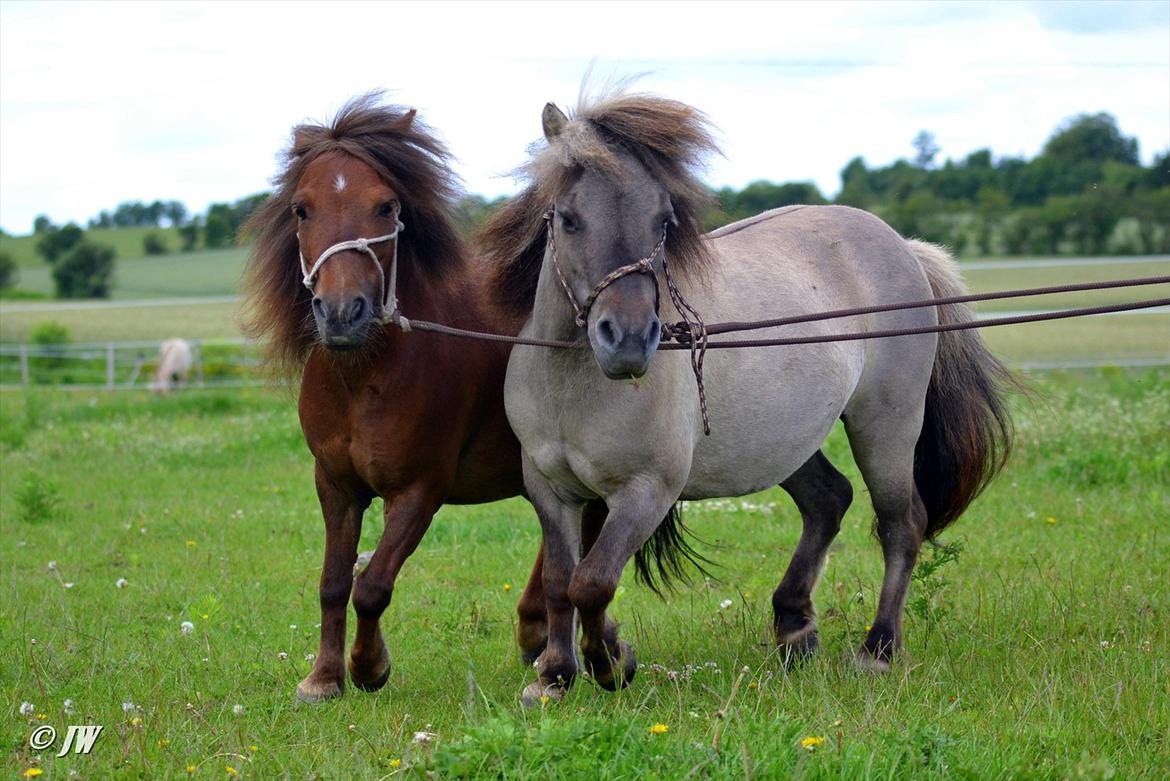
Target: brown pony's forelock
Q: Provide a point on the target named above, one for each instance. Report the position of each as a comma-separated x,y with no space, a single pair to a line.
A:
671,139
408,156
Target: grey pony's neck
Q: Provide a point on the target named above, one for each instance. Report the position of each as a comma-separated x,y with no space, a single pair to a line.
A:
553,316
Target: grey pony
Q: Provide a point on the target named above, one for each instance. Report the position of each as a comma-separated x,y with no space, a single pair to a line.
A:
613,438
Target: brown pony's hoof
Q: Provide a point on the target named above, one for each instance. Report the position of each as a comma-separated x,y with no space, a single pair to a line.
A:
537,693
799,645
311,690
377,676
529,657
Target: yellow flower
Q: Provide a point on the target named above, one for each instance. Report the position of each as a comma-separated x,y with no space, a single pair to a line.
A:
203,616
507,587
33,772
190,770
164,743
135,722
1050,521
659,729
42,716
752,685
190,543
395,763
253,749
231,771
811,742
544,698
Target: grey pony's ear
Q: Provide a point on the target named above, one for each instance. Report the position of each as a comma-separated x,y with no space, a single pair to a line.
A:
553,120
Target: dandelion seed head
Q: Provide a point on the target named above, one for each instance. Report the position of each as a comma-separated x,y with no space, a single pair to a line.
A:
27,709
238,709
186,627
120,583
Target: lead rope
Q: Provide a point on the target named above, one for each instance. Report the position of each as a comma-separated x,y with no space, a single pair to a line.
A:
695,334
389,292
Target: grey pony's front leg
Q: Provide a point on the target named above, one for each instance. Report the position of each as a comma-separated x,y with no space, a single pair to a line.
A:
634,513
560,523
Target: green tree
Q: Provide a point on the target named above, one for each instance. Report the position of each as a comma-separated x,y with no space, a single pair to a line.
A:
42,224
925,149
55,242
153,243
7,270
86,271
1091,137
189,235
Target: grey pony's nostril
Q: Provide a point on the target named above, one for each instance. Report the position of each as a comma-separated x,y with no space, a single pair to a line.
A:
653,332
607,333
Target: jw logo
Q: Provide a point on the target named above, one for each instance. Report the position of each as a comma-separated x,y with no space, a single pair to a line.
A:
80,738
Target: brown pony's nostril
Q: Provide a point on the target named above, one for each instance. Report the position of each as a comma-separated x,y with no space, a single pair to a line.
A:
318,307
357,310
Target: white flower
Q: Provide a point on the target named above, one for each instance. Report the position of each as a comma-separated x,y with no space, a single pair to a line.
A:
127,706
238,709
423,738
27,709
282,656
52,566
292,627
67,706
310,657
121,583
186,627
725,604
68,584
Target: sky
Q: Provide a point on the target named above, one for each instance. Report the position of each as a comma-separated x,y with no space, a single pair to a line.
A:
107,102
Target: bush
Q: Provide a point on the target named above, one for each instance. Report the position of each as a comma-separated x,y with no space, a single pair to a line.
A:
154,244
7,271
189,235
87,271
50,336
55,242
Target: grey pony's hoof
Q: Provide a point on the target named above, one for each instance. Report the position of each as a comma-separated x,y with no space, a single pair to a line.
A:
537,693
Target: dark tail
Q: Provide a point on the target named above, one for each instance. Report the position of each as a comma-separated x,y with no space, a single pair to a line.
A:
662,560
966,431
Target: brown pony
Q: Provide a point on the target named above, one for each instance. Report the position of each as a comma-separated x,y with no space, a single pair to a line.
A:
416,419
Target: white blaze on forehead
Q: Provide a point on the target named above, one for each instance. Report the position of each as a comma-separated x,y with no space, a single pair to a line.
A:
339,183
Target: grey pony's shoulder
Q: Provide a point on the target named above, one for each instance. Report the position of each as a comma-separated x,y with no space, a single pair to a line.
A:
784,211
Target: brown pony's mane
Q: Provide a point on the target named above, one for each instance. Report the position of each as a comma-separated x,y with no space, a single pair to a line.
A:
408,156
670,138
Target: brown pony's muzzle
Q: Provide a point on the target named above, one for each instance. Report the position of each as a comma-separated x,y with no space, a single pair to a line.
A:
343,322
624,329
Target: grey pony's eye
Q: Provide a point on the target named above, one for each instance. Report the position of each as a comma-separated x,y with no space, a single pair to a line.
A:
570,222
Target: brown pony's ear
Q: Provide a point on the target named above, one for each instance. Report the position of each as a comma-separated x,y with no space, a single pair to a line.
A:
407,119
553,121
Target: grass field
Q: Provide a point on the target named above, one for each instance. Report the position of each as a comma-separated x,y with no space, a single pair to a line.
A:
1040,652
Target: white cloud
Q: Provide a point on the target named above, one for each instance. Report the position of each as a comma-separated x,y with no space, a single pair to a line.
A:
103,102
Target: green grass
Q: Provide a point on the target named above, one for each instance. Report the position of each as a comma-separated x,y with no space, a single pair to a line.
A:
1041,652
990,280
126,243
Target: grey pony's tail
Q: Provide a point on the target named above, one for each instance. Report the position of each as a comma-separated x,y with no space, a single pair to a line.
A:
663,559
966,431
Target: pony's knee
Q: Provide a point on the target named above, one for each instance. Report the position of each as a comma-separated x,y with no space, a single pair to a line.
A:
370,598
591,590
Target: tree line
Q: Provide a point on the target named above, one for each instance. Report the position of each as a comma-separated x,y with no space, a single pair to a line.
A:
1085,193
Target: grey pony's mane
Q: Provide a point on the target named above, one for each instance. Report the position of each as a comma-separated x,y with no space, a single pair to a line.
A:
671,139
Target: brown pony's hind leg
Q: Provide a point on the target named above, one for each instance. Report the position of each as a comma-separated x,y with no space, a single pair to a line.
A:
532,631
343,525
408,516
822,494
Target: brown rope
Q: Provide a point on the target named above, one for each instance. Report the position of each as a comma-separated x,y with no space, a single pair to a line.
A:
696,336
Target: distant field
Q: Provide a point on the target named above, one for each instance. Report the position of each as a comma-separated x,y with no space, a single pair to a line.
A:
126,242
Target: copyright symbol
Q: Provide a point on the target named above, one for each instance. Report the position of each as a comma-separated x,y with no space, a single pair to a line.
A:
42,737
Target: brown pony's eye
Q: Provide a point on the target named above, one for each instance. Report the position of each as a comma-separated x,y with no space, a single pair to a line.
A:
300,212
387,209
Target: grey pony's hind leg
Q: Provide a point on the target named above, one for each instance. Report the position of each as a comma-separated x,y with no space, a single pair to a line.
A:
822,494
884,449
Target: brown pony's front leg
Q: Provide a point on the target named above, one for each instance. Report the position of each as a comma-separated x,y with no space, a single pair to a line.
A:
343,525
408,516
532,631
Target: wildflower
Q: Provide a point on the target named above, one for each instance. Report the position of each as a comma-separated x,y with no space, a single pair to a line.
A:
423,738
42,716
120,583
1104,643
544,699
395,763
134,722
659,729
507,587
163,743
186,627
811,742
190,770
67,707
127,706
725,604
753,685
190,543
310,657
1050,521
52,566
204,616
231,771
27,709
68,584
293,627
33,772
238,709
253,748
282,656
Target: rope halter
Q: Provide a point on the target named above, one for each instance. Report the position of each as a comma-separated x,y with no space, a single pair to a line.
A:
389,291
